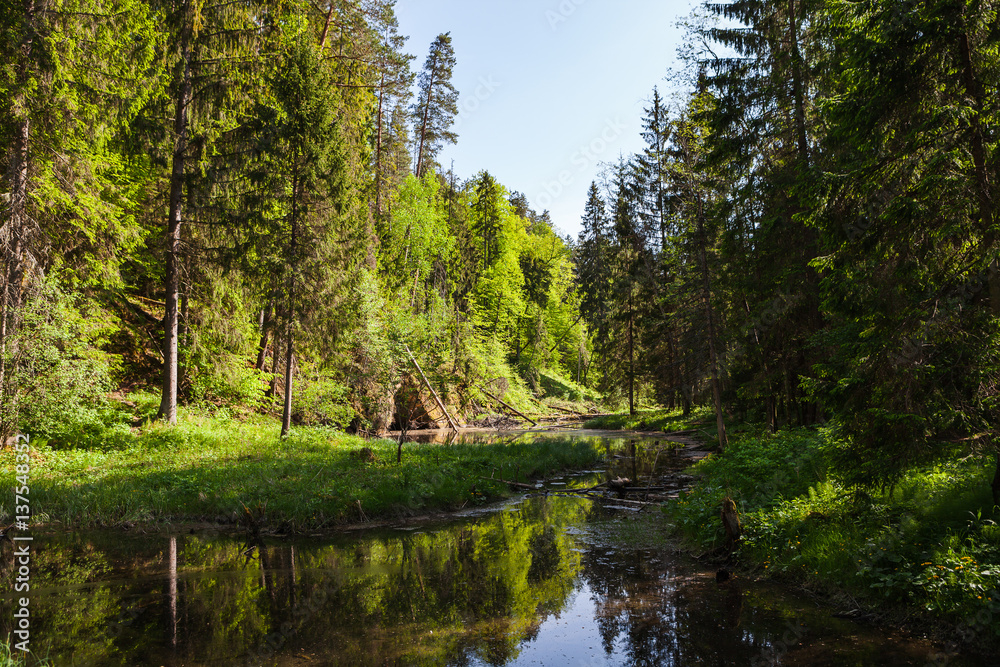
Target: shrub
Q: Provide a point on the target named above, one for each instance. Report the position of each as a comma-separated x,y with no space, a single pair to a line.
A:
61,374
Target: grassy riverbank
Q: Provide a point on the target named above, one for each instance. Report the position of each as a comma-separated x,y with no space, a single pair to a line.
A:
931,544
656,420
216,468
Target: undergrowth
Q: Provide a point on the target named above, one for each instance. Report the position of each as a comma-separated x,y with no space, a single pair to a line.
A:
657,420
931,542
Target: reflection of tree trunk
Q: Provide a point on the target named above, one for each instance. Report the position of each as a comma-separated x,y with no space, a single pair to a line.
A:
635,462
265,565
173,592
293,592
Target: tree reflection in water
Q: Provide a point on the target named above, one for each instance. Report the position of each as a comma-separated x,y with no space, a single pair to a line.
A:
483,590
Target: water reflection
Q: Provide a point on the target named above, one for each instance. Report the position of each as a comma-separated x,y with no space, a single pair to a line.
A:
520,586
530,583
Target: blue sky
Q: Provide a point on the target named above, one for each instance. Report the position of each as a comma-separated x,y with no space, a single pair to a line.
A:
548,88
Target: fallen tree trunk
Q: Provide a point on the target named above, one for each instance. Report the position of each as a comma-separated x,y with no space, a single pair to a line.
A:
437,399
519,414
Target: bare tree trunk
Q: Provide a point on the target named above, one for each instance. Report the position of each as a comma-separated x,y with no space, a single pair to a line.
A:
707,296
326,26
631,356
14,240
264,325
286,414
168,399
419,171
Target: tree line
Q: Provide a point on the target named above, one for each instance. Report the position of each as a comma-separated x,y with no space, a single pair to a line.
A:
239,203
810,233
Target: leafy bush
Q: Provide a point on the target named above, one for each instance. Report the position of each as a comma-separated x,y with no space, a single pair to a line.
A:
61,374
323,402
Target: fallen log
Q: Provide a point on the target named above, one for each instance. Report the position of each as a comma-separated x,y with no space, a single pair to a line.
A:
437,399
517,485
519,414
635,503
572,412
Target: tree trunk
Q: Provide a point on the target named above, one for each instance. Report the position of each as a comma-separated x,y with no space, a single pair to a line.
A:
12,295
797,86
378,149
978,147
272,390
14,255
996,481
326,26
286,414
631,357
707,296
168,398
265,324
423,125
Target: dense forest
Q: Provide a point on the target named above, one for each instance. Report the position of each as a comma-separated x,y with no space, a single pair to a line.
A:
240,204
810,234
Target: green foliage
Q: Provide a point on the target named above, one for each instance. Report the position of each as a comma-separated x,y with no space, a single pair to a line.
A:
12,657
931,542
650,420
219,340
63,374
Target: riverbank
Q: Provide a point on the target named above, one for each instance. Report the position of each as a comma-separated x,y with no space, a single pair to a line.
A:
239,471
926,552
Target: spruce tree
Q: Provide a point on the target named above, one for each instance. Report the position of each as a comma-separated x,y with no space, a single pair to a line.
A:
73,77
437,104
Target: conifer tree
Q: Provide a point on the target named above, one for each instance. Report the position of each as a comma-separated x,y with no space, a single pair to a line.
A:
437,104
301,185
213,48
73,76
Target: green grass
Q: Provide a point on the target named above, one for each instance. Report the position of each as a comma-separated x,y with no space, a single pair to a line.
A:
565,393
210,468
656,420
11,657
931,544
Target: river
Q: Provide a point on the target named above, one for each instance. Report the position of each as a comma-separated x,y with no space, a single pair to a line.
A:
550,578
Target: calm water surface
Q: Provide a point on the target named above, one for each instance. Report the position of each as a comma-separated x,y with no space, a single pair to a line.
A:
540,580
